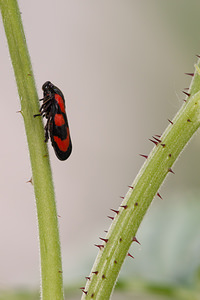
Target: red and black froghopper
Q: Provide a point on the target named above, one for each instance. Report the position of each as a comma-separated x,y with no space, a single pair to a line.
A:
53,109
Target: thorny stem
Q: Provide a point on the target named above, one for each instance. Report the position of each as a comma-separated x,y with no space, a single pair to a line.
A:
51,267
127,219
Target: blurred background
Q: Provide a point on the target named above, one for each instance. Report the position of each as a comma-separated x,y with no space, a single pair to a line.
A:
120,65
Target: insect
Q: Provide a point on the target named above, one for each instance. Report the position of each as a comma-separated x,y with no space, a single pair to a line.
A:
53,109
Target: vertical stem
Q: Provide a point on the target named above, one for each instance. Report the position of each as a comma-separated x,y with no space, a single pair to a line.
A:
50,254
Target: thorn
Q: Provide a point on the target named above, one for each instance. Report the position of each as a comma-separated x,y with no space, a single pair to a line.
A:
30,181
187,94
99,246
96,272
60,272
158,140
145,156
87,278
136,204
159,196
190,74
170,121
59,216
135,240
188,120
186,89
184,100
158,135
156,143
104,240
130,255
131,187
121,197
170,170
19,111
106,231
163,145
124,206
198,55
83,291
112,218
103,276
115,211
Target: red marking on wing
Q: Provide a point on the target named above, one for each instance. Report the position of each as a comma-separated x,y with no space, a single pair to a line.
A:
63,145
60,102
59,120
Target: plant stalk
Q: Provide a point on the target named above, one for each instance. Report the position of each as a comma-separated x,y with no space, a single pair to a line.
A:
50,254
158,164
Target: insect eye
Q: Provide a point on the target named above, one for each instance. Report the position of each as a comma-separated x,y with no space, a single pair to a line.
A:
47,85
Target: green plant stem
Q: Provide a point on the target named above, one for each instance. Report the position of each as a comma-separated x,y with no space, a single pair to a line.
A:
137,200
50,255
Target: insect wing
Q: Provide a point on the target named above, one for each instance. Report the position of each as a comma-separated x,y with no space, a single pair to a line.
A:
59,130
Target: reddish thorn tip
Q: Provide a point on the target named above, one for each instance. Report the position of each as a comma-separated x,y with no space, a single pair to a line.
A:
115,211
131,187
156,143
87,278
145,156
158,140
190,74
105,231
130,255
170,170
104,240
198,55
159,196
30,181
96,272
124,206
163,145
99,246
84,292
112,218
135,240
170,121
121,197
187,94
